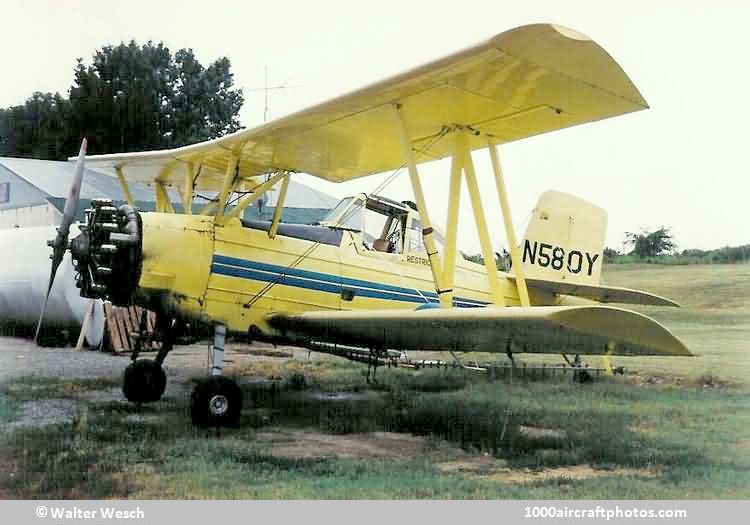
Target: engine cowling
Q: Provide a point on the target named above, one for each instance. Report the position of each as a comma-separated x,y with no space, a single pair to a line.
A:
107,255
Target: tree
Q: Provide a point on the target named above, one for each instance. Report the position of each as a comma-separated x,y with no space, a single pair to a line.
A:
650,244
131,98
38,128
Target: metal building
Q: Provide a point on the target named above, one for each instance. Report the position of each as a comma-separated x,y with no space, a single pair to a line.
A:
33,192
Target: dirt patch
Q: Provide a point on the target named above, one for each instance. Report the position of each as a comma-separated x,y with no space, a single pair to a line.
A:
491,469
540,434
9,468
262,352
307,443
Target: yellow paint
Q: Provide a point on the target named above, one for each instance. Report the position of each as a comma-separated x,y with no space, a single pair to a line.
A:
167,269
124,186
515,255
230,179
254,196
163,204
187,189
523,82
451,230
279,207
481,223
427,229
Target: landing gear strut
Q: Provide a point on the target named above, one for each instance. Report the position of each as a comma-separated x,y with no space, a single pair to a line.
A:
580,374
144,380
216,401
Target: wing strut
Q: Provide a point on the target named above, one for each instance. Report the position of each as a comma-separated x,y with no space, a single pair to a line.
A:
230,178
444,294
515,256
279,207
451,230
480,221
187,189
462,164
258,192
163,204
124,186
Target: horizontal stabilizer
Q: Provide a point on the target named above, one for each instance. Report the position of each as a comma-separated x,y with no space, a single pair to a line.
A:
602,294
593,330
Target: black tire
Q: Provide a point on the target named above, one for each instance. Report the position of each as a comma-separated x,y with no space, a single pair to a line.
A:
582,376
216,402
144,381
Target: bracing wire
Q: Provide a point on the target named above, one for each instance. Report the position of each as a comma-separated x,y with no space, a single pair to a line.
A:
341,221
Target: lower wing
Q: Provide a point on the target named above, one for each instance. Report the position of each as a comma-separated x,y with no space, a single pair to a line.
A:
538,329
599,293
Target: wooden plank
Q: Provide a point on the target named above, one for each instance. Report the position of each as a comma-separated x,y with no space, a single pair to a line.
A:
112,327
132,317
123,330
125,316
154,345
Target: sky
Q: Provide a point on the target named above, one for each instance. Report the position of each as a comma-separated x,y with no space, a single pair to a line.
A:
683,163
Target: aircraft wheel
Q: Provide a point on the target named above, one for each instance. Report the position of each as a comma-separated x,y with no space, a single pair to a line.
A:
216,402
582,376
144,381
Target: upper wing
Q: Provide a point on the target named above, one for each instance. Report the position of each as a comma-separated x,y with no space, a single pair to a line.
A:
602,294
522,82
538,329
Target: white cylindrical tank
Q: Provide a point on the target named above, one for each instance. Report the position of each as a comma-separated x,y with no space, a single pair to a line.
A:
24,273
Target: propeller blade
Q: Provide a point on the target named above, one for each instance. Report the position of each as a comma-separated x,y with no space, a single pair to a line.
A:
71,204
60,244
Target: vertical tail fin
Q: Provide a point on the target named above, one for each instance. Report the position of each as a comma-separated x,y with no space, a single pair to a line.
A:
565,240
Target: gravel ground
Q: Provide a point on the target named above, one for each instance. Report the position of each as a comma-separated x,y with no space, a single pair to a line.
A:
21,357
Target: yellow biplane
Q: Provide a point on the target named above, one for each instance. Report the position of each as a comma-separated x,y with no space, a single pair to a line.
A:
376,274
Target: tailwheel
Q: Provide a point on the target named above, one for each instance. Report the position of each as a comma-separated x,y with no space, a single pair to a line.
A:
216,402
144,381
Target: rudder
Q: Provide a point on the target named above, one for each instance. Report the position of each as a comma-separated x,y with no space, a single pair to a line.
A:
564,240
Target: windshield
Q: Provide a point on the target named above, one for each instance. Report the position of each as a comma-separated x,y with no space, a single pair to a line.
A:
351,218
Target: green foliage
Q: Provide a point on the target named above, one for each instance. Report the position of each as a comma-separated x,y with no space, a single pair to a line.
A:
131,98
725,255
610,254
41,128
650,244
502,260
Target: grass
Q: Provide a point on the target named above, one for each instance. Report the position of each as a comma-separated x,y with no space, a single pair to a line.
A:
713,321
33,387
675,443
8,409
680,430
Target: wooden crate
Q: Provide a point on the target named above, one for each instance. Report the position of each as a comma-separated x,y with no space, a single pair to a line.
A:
123,326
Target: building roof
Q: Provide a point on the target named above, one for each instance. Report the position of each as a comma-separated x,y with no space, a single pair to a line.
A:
54,178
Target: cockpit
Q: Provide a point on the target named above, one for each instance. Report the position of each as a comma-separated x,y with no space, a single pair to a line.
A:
385,225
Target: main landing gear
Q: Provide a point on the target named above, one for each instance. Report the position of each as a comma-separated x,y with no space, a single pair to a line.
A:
580,374
216,401
144,380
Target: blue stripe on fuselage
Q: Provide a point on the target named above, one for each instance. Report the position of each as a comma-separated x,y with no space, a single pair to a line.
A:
258,271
